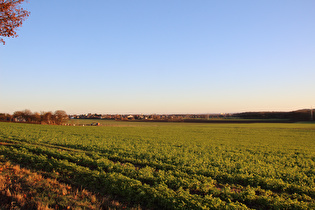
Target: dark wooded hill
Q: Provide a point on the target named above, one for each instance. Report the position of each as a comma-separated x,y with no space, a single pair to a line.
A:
298,115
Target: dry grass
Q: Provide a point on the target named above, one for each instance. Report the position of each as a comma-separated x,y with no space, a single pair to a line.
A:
22,189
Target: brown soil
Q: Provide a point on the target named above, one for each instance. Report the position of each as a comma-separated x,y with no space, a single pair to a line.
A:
22,189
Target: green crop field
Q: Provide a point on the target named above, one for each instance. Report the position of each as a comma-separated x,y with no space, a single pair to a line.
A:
175,165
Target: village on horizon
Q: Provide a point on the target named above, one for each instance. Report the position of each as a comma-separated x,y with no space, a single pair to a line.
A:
303,114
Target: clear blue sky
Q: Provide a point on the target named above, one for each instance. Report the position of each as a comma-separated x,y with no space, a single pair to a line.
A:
161,56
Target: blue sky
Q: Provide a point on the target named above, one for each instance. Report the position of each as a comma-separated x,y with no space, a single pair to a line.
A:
166,56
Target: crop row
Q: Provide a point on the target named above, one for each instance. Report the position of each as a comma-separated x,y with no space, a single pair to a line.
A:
93,160
176,165
114,183
296,170
197,186
224,153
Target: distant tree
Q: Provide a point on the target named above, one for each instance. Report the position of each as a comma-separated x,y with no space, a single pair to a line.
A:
27,115
5,117
46,117
18,115
60,117
11,17
2,117
36,117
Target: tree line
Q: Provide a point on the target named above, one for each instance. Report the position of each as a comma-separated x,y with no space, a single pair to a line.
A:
52,118
298,115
